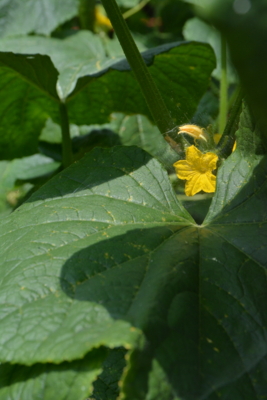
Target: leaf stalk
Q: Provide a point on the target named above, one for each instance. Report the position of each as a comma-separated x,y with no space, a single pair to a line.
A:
87,14
223,87
155,102
135,9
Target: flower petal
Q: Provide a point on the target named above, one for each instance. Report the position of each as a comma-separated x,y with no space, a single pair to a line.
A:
193,155
209,160
192,186
205,182
183,169
208,182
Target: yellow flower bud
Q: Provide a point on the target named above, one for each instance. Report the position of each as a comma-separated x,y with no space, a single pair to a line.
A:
193,130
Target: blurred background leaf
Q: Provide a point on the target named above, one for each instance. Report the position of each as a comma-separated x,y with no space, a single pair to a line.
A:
195,29
244,25
17,178
27,16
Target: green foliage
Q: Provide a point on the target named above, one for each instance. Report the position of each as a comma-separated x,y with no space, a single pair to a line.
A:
100,85
112,284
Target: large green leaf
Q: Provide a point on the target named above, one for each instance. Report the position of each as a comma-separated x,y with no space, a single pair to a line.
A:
180,70
66,381
27,97
106,243
38,16
74,318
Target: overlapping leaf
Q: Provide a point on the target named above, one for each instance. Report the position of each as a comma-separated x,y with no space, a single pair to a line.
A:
67,381
106,386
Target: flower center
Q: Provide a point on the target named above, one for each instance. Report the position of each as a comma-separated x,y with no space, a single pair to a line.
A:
201,166
202,169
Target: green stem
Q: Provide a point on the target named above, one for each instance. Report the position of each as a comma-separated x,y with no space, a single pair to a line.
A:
135,9
66,140
87,14
223,87
225,145
157,107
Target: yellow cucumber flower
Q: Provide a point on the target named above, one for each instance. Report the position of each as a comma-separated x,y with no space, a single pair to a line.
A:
197,171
